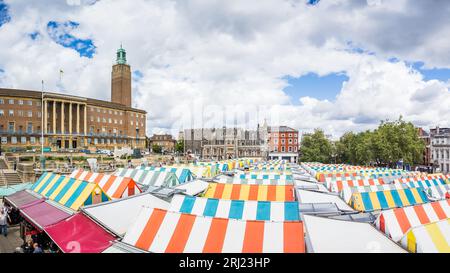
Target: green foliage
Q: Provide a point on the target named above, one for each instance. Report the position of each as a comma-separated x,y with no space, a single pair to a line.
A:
316,148
156,148
179,146
388,144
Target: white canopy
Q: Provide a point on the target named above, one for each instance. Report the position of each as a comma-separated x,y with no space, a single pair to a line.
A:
310,186
317,197
194,187
325,235
118,215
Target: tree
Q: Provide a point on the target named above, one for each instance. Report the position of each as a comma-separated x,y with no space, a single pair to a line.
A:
179,146
385,146
316,148
157,148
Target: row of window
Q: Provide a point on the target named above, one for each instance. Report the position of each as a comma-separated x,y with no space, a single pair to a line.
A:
21,102
21,140
115,121
440,154
283,149
108,141
115,112
12,127
283,141
19,113
284,135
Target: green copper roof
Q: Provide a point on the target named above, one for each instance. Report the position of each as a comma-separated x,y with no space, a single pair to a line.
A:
121,56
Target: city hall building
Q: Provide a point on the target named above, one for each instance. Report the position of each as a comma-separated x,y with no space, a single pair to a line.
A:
72,122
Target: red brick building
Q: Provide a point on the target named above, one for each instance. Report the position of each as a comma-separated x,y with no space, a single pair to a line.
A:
283,143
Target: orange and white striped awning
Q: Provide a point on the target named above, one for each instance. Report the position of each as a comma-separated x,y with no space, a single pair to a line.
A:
115,186
161,231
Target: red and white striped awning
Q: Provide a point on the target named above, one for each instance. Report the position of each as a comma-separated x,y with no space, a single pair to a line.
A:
114,186
161,231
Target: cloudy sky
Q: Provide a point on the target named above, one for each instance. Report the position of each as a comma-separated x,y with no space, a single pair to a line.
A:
339,65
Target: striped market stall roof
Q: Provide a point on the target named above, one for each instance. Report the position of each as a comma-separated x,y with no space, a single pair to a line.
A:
183,174
282,193
429,238
160,231
415,182
338,186
115,186
381,200
69,192
395,223
439,192
236,209
347,193
150,178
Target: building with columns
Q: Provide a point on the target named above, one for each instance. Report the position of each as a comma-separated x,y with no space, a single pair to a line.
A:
72,122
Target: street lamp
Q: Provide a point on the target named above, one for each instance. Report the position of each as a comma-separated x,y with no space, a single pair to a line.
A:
42,159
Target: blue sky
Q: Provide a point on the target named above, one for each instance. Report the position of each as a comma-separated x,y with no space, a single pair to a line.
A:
327,87
312,85
441,74
60,32
4,15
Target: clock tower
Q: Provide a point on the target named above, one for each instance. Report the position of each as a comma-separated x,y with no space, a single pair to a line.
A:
121,79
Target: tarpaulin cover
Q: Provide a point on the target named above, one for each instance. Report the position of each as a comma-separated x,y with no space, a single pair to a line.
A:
236,209
371,201
78,234
69,192
22,198
115,186
43,214
161,231
6,191
429,238
250,192
396,222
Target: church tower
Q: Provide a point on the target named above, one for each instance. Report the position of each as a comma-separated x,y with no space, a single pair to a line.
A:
121,79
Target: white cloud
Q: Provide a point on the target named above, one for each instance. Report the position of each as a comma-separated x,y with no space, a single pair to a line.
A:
208,56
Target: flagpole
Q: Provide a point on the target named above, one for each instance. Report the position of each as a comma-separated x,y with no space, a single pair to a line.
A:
42,120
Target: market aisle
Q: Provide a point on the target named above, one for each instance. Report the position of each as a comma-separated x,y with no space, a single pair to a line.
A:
10,243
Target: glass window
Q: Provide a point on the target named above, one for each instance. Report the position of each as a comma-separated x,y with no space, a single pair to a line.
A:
20,102
98,119
30,102
2,101
30,114
110,120
32,140
29,127
20,113
13,140
38,103
2,113
11,127
23,140
39,114
11,101
4,140
11,113
120,122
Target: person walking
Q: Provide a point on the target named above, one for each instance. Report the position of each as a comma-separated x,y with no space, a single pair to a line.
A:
37,248
3,222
